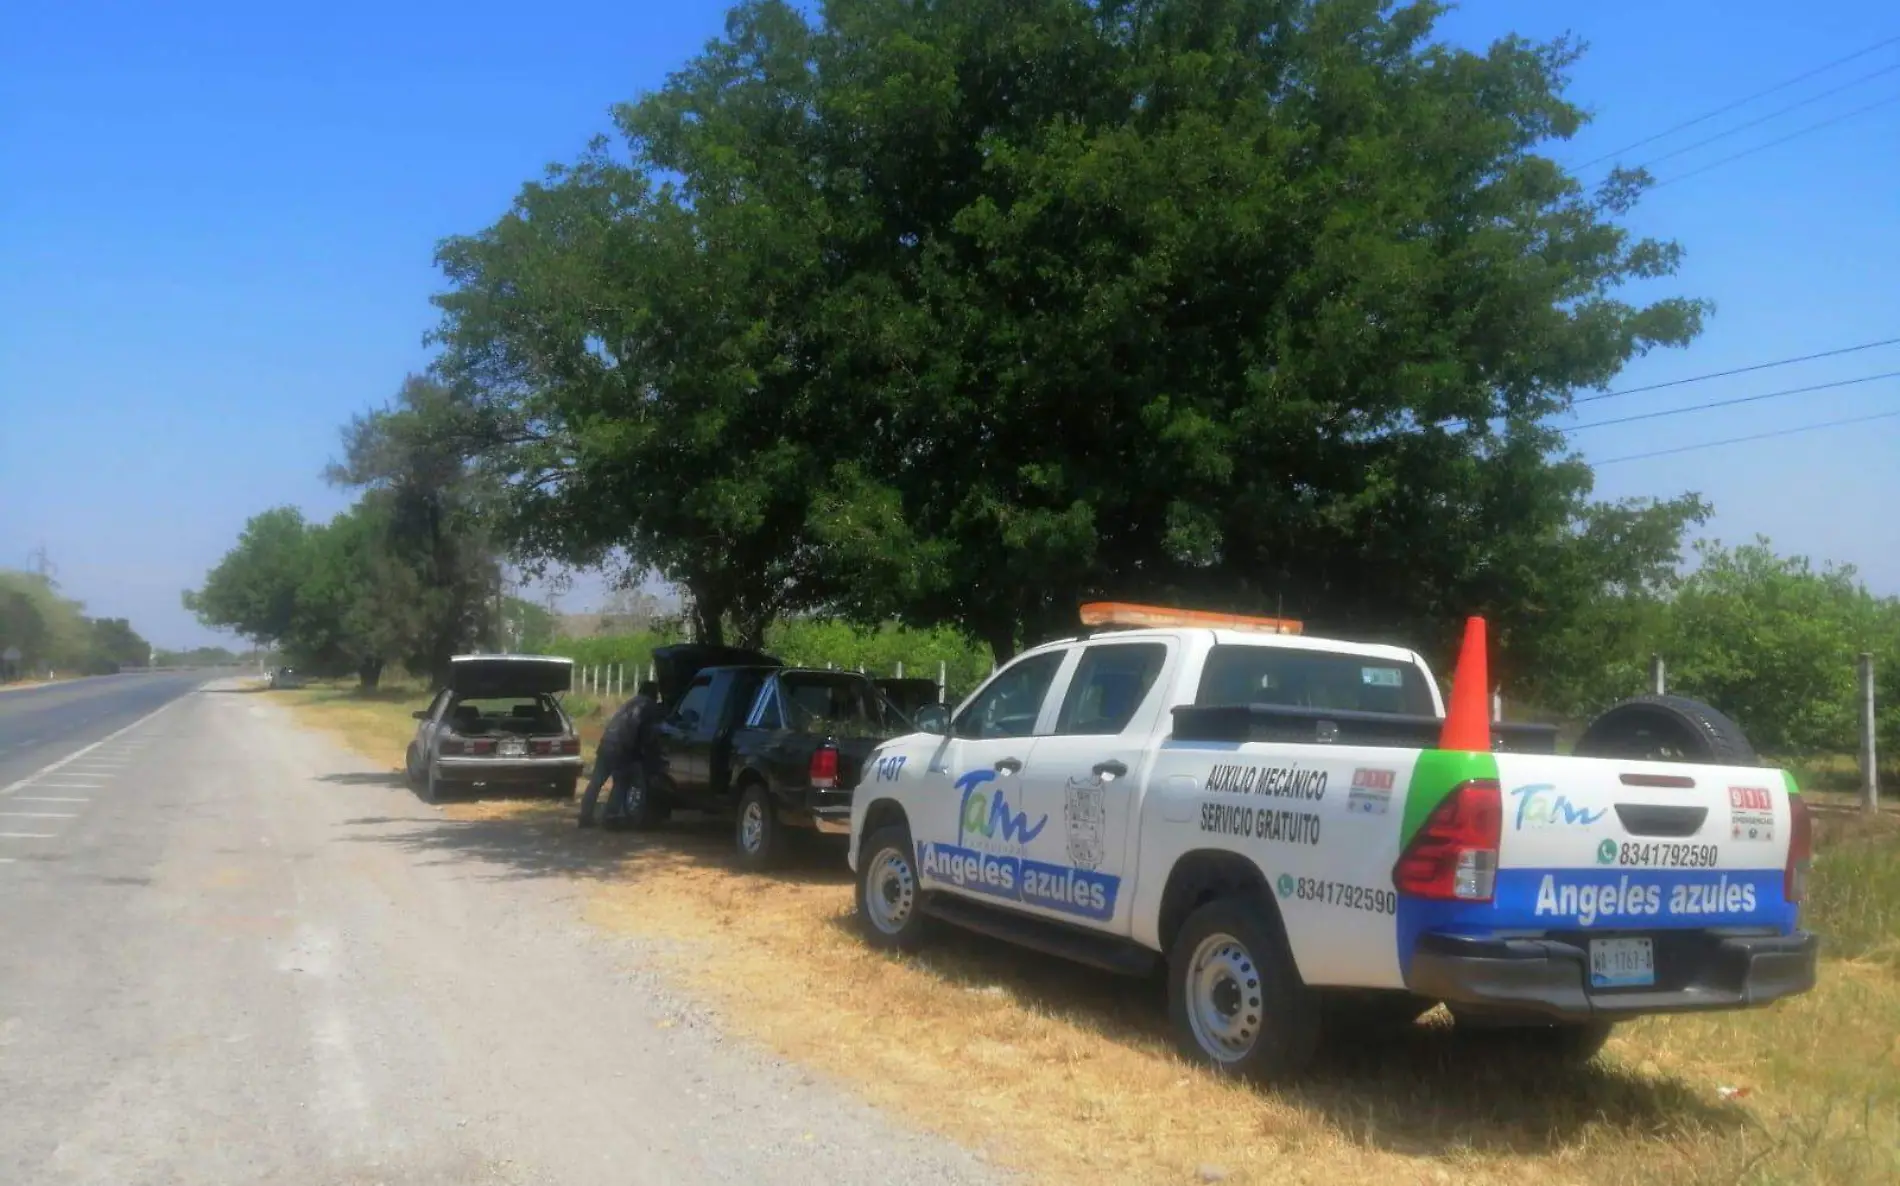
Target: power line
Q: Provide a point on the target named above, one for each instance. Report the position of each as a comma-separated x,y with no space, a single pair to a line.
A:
1777,113
1729,403
1779,140
1760,436
1760,366
1742,102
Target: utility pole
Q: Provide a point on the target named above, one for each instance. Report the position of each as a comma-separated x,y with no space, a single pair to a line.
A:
42,565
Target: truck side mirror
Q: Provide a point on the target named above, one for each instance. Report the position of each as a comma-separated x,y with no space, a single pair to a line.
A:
932,718
421,714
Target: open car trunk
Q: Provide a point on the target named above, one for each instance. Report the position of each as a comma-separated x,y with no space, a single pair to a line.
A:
675,666
488,676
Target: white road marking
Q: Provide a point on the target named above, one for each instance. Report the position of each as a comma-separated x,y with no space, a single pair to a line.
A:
38,815
26,836
48,799
77,754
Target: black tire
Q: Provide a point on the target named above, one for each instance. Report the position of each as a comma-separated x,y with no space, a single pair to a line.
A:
757,832
409,772
1566,1045
646,808
1666,729
1230,970
890,892
436,788
565,788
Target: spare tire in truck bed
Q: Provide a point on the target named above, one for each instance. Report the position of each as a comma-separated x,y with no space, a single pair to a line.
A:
1666,729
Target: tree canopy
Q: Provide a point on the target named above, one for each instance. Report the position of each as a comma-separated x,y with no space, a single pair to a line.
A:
964,312
52,632
407,575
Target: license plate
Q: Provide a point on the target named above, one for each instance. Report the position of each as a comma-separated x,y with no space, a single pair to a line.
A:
514,748
1622,963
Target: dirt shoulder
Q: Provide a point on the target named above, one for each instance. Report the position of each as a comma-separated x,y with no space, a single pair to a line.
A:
1068,1074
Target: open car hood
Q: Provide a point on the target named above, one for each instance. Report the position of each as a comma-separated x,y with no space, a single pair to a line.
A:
510,675
675,666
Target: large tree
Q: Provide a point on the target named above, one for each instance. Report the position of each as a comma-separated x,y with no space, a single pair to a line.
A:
253,589
965,311
414,566
643,350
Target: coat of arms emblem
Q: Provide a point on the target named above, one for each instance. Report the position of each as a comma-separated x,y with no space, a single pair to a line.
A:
1085,815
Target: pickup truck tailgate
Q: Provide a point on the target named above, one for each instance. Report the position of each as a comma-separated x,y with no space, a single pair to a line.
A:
1603,843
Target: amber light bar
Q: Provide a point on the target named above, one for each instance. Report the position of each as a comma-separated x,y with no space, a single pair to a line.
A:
1122,613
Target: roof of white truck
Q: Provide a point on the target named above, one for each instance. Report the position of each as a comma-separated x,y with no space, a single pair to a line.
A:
1251,638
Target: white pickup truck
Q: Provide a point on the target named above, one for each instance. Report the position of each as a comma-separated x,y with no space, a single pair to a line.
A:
1271,817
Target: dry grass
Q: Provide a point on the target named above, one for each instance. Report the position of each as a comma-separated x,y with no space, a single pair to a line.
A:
1068,1073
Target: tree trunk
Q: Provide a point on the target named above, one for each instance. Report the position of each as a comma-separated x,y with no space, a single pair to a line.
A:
369,673
709,624
1001,639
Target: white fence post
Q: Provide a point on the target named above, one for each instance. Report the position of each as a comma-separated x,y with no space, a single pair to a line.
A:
1657,673
1497,707
943,680
900,669
1869,773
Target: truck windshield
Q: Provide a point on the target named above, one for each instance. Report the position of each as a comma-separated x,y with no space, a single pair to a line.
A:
815,702
1312,679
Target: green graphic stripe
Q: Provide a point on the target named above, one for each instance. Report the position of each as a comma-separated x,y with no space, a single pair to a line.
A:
1787,776
1437,772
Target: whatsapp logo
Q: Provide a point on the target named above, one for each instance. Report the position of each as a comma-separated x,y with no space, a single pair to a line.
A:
1286,885
1606,853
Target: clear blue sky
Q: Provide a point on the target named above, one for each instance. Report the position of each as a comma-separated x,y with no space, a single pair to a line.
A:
217,223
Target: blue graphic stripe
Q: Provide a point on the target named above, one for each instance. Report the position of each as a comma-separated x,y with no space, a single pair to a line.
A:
1605,900
1081,892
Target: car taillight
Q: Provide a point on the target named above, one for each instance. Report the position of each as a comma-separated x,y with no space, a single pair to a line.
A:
569,745
452,745
1455,854
824,767
482,745
1794,878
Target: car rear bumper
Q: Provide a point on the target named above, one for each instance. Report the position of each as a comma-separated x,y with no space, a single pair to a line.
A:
1550,977
508,769
824,809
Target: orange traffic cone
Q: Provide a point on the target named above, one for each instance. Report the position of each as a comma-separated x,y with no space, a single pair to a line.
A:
1468,718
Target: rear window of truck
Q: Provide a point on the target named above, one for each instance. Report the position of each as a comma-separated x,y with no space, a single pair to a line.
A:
1312,679
844,705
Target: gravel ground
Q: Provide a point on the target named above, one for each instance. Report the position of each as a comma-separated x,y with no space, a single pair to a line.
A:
237,954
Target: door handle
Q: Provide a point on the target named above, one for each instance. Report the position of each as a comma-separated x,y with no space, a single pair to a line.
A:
1111,769
1008,766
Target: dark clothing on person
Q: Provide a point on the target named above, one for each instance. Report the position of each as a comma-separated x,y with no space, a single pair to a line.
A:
626,748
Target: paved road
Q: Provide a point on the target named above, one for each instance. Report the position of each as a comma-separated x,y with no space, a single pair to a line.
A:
231,953
43,724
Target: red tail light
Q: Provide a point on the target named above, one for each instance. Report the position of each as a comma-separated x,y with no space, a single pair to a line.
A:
1794,878
824,767
451,746
482,745
1455,854
570,745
